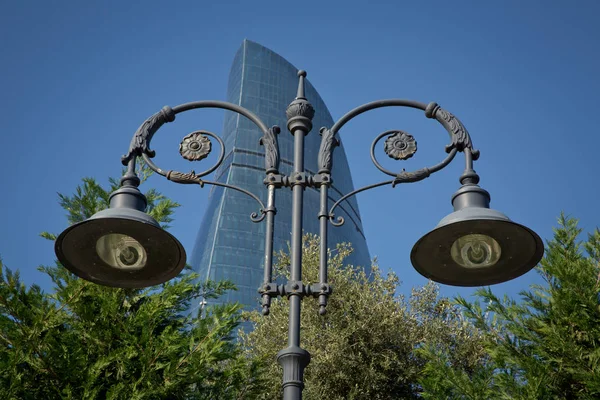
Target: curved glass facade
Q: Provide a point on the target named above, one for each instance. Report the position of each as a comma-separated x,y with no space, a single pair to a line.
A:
229,245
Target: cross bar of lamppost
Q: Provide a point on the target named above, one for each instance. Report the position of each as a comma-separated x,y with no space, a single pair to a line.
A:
473,246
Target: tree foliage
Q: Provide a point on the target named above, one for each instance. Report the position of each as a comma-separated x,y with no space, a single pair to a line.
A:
364,347
86,341
545,346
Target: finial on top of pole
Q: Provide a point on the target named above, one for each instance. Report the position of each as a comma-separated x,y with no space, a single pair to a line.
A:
300,112
301,76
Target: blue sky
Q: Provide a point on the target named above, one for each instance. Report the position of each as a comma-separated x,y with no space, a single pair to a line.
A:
79,77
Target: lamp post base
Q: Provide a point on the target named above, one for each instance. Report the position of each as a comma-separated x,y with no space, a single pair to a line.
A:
293,360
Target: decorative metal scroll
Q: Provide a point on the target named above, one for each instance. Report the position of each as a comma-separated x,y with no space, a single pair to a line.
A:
328,142
459,135
269,141
140,143
194,147
184,178
398,145
197,145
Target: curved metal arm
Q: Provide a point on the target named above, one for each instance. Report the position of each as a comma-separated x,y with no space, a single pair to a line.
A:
255,217
376,104
340,220
415,176
140,144
159,171
400,145
461,139
420,174
458,133
225,106
192,178
402,177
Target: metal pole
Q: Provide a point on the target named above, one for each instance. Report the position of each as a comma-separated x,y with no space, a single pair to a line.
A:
294,359
323,221
268,268
296,262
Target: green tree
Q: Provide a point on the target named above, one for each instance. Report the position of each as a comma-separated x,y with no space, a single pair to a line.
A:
545,346
364,347
85,341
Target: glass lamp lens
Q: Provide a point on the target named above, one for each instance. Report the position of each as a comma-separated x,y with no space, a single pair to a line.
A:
475,251
121,251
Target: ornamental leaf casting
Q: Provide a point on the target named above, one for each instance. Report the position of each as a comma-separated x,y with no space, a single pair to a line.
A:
300,108
460,136
410,177
269,141
328,142
400,145
140,143
185,178
195,146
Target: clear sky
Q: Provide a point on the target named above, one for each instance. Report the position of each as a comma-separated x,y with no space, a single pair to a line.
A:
79,77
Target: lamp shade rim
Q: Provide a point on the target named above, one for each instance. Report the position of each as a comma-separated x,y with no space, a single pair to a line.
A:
521,250
76,246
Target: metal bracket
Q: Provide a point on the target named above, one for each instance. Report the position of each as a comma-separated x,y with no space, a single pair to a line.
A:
319,289
271,289
295,288
300,178
322,179
276,180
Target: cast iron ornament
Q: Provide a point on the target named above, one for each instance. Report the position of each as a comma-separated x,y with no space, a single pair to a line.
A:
269,141
460,136
400,146
184,178
195,146
300,108
410,177
328,142
140,143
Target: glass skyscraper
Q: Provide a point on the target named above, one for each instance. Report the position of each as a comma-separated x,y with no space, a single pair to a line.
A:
229,245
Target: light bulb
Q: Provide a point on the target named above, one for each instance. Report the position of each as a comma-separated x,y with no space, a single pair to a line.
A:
121,251
475,251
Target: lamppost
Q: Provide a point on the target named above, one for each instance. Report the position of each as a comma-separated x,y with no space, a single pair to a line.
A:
123,246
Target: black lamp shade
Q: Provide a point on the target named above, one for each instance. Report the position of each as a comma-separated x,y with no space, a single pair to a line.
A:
520,248
77,249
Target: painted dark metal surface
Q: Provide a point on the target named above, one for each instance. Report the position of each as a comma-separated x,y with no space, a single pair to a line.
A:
269,141
398,145
140,144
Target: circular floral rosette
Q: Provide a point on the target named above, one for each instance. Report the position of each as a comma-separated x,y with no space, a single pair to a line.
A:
400,146
195,146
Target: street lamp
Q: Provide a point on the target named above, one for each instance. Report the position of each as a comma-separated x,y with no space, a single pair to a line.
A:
473,246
